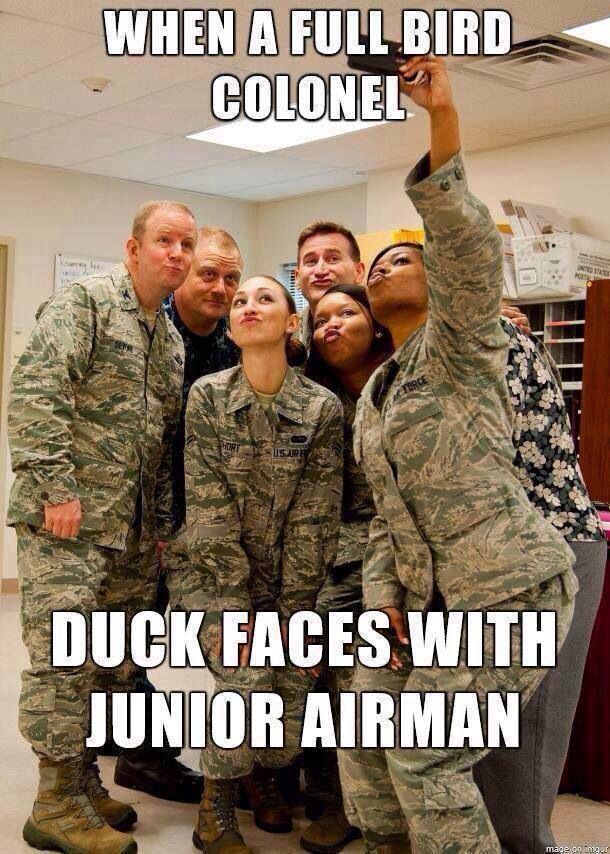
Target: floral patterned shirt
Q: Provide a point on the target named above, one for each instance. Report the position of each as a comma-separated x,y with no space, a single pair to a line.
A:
545,458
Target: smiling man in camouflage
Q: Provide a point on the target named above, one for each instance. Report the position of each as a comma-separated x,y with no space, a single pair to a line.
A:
95,401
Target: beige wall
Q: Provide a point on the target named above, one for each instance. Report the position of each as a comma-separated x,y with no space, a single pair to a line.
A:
47,211
278,224
570,172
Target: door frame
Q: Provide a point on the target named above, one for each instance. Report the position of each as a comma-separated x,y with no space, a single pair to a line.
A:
7,585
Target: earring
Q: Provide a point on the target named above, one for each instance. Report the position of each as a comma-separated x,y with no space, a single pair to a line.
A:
379,334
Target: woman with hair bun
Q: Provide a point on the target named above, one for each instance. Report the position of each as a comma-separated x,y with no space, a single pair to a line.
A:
263,461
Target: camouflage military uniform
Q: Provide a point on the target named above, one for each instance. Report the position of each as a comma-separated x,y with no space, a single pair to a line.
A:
433,432
203,354
263,497
305,330
95,401
342,589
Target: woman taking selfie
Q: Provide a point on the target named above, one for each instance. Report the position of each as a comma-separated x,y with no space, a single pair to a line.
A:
454,530
263,464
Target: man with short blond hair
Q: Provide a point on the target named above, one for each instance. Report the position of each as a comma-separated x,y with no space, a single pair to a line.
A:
94,406
145,211
198,310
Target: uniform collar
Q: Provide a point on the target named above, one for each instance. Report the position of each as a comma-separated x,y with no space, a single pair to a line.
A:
386,373
128,300
381,379
123,283
289,400
305,331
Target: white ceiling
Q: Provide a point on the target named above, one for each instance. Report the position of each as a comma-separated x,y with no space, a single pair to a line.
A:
135,130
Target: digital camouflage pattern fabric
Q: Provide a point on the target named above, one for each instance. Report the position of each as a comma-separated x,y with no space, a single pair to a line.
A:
219,763
342,588
263,505
93,411
433,430
433,433
305,330
545,460
73,575
430,791
95,402
358,507
263,498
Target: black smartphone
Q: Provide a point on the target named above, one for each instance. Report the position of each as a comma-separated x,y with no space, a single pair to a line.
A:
386,64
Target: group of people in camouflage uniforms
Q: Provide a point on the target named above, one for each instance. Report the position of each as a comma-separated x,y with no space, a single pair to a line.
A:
144,428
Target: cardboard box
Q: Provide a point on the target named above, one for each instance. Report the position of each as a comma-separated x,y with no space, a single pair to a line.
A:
373,242
558,266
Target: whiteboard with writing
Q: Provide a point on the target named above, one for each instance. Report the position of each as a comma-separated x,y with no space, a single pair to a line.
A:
71,267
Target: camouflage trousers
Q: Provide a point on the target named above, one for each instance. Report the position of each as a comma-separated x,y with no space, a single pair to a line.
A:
341,591
293,686
72,575
430,792
193,590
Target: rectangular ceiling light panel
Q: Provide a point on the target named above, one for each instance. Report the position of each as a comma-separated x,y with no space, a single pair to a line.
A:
597,32
273,135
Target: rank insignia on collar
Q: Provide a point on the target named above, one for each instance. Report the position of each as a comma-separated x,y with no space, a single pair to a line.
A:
178,359
125,294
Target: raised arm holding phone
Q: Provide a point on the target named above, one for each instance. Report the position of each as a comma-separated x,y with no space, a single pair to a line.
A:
454,529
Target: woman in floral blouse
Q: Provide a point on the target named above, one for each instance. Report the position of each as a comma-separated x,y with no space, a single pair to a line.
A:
550,474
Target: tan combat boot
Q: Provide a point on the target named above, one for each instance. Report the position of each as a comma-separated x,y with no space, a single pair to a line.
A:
217,831
330,833
115,813
64,817
270,811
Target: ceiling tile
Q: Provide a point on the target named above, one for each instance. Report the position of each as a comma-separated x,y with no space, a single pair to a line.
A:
325,181
557,15
76,14
70,142
520,112
86,15
181,109
18,121
132,77
159,159
247,172
369,147
27,46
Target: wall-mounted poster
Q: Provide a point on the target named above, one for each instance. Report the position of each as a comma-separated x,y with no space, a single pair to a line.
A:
71,267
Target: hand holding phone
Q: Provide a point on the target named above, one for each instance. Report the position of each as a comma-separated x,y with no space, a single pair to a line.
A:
387,64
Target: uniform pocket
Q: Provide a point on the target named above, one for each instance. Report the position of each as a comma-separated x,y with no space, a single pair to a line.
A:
39,701
36,708
98,472
477,505
410,408
453,794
